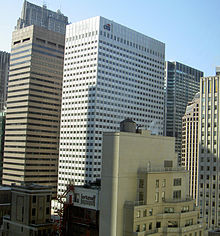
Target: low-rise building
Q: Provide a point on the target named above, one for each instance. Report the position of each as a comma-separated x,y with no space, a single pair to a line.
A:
30,211
5,202
143,192
81,210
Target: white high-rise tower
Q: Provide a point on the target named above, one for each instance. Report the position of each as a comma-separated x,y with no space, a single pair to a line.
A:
110,73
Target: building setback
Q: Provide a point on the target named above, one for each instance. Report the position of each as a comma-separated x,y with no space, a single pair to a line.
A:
33,107
190,144
4,71
209,162
110,73
181,85
32,14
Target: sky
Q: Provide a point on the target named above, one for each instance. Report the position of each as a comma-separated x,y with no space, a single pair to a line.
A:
190,29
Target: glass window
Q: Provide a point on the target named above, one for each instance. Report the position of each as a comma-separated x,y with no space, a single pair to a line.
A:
177,182
177,194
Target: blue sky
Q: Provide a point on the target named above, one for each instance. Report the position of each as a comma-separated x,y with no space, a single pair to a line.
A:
189,28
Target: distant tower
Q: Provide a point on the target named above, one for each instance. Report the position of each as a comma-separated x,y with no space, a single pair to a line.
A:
4,71
181,85
190,144
209,162
35,15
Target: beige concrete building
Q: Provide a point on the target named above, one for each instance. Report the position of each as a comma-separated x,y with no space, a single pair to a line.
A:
163,207
30,211
33,107
209,163
190,144
135,198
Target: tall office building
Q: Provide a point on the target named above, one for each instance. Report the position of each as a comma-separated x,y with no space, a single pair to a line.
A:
209,186
110,73
190,144
33,107
32,14
4,71
181,85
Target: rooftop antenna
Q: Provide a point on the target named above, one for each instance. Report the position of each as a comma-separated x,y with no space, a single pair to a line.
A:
44,4
60,5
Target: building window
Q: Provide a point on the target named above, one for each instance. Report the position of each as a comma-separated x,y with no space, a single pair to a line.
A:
172,224
158,224
34,199
164,183
33,211
150,225
48,198
138,228
163,196
157,183
150,212
144,227
48,210
141,183
141,196
177,194
177,182
156,197
138,215
189,222
185,209
168,210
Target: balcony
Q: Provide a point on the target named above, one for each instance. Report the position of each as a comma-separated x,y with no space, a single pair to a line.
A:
144,233
187,199
134,203
191,227
180,229
164,169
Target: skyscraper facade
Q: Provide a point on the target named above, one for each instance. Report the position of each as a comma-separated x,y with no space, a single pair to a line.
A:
110,73
181,85
2,137
32,14
209,163
4,71
33,107
190,144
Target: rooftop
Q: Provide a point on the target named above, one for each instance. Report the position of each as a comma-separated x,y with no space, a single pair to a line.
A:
30,186
160,170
